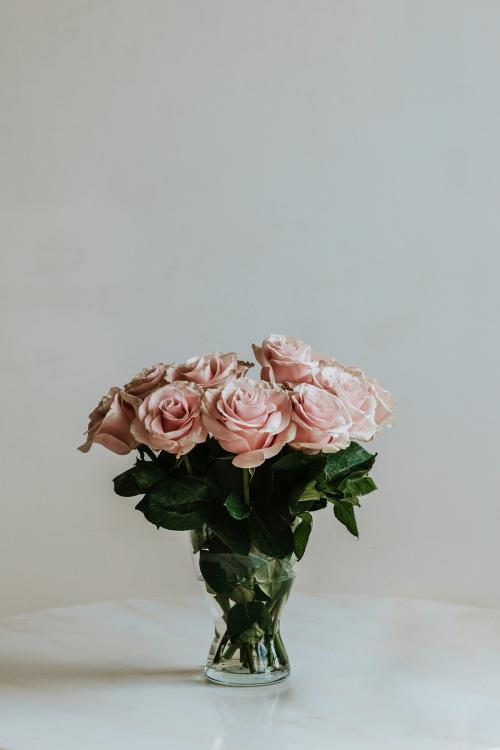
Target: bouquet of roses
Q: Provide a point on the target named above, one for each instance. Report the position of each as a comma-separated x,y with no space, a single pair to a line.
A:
243,463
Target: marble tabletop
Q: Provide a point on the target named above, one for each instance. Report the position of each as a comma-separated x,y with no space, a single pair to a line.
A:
367,674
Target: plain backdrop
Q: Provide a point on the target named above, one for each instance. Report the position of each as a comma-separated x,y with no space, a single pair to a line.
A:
184,176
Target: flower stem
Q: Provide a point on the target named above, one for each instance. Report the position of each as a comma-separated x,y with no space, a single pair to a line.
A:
187,464
220,648
246,486
248,653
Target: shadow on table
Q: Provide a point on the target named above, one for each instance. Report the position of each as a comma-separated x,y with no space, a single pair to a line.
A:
230,717
14,672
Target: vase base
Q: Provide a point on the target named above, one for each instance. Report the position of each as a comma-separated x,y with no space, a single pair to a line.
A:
245,678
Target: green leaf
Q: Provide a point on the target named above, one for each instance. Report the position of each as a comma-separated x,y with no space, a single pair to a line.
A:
303,495
360,486
236,506
272,575
242,593
262,484
244,566
309,492
221,579
259,595
344,512
125,484
166,460
270,533
308,505
188,516
224,478
305,517
350,459
244,615
352,500
174,492
234,534
138,479
301,535
296,464
252,636
179,504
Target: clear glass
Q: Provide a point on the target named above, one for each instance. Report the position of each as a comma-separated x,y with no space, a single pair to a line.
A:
246,595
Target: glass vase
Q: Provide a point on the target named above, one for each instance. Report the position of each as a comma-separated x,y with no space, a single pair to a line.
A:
246,595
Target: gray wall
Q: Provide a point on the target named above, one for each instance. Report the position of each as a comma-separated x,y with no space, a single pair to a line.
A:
182,176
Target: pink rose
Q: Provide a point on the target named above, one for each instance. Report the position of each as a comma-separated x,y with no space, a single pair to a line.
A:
169,419
356,392
109,423
284,359
250,418
209,370
322,420
147,381
384,414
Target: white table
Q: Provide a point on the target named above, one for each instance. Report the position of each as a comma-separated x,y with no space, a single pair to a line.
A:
368,674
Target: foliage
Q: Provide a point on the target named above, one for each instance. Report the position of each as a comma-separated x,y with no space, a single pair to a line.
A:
249,527
271,514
